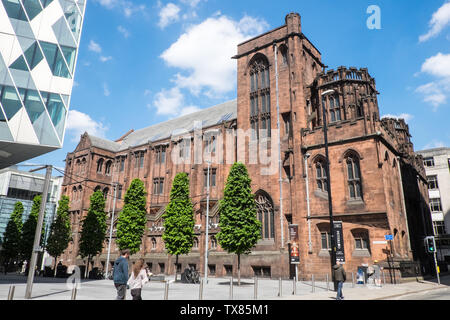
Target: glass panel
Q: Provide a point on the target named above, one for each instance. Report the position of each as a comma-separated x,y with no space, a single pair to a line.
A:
10,102
49,50
57,112
14,9
356,165
32,7
33,105
252,82
325,185
69,54
338,115
331,103
19,64
5,134
349,169
263,103
263,80
266,71
318,171
73,17
268,102
323,236
337,101
33,55
352,190
333,117
319,184
266,225
45,3
60,69
358,244
272,225
256,81
358,190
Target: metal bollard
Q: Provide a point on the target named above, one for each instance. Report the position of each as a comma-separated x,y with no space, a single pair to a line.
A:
231,288
74,293
353,280
200,294
280,288
328,283
312,284
166,291
11,292
255,292
294,286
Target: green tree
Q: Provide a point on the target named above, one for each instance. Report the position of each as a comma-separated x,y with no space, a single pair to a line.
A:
133,218
60,231
93,229
29,230
239,226
179,221
12,236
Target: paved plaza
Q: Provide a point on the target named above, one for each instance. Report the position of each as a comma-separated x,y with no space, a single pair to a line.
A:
219,289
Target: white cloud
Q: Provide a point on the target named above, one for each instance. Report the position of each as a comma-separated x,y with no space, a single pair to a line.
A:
123,31
436,92
192,3
204,53
94,46
79,122
168,15
439,20
168,102
104,59
405,116
128,8
438,65
106,91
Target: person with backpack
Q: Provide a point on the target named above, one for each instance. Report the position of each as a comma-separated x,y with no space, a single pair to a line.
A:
139,277
339,276
120,274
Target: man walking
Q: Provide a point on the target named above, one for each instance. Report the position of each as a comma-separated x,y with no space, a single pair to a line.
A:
121,274
339,276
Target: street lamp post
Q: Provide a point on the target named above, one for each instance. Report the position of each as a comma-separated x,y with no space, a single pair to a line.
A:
111,232
207,223
327,169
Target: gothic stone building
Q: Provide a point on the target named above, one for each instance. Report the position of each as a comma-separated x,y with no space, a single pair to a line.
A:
378,184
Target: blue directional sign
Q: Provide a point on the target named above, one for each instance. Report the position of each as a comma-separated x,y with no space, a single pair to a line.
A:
389,237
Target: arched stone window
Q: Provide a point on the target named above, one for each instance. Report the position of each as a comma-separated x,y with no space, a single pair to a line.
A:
153,243
353,176
83,165
80,190
100,165
105,193
284,55
321,174
108,168
260,96
213,242
195,245
361,242
334,108
265,215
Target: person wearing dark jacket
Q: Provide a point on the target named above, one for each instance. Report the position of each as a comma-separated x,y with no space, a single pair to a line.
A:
121,274
339,276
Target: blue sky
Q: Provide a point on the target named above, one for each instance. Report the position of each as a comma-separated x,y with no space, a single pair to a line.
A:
143,62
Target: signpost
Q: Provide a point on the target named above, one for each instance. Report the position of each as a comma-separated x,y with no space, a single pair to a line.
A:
295,252
338,235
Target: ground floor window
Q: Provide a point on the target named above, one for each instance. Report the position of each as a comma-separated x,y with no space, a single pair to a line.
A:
212,269
228,269
262,271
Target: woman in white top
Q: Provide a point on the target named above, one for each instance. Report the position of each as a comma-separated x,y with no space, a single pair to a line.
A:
137,279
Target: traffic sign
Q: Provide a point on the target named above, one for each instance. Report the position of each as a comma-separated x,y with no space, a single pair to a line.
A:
389,237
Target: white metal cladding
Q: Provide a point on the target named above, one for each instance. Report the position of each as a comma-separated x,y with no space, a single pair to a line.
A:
39,42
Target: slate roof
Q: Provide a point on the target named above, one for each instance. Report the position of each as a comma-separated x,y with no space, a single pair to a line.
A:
162,131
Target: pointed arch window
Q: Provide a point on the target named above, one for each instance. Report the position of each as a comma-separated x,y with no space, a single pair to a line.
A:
260,97
354,177
321,175
265,215
100,165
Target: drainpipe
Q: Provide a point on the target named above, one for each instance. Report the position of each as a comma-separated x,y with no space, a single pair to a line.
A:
306,156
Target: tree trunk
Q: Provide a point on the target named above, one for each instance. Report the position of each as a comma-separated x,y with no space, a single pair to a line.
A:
176,268
239,269
54,272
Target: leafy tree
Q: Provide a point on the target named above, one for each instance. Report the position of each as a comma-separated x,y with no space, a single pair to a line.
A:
29,230
239,226
12,236
179,219
93,229
133,218
60,231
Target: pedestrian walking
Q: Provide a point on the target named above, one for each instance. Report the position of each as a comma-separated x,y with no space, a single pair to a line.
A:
377,273
339,276
121,274
139,277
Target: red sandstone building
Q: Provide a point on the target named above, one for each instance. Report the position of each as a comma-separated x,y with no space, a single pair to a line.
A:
378,184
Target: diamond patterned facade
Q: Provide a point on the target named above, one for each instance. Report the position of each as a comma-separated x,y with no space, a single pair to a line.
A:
38,49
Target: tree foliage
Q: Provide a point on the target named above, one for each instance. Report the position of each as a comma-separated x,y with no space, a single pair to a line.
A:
12,235
179,218
132,218
60,231
29,230
93,227
239,226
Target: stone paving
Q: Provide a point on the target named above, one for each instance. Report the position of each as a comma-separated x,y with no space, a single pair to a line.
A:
215,289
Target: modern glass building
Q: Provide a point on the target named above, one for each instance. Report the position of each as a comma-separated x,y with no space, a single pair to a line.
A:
38,51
